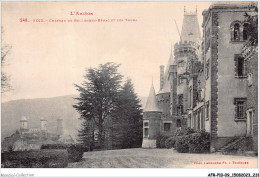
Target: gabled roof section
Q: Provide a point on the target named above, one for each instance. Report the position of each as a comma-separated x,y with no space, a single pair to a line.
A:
190,27
151,104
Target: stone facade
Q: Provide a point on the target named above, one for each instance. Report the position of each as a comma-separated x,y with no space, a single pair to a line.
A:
206,84
250,53
224,86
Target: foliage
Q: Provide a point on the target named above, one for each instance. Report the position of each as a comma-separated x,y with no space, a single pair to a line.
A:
182,144
75,151
35,159
252,19
5,50
98,94
185,131
193,142
160,140
199,142
110,110
127,130
170,142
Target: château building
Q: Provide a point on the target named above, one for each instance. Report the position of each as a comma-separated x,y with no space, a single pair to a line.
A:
32,138
210,82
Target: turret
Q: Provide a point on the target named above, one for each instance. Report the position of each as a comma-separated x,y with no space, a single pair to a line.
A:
151,120
43,124
23,124
190,27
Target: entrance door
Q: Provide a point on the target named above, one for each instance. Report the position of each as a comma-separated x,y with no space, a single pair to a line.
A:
249,129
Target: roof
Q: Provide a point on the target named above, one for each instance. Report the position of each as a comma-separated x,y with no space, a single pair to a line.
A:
166,83
151,104
190,28
23,118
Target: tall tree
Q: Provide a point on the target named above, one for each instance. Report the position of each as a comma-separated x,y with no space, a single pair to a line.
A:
5,49
128,132
97,98
252,19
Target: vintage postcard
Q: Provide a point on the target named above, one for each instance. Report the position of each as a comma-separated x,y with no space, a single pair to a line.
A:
130,85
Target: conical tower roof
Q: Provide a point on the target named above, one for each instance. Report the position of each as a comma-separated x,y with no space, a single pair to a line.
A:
190,27
151,104
166,85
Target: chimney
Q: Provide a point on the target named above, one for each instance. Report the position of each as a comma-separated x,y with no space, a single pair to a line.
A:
161,76
59,127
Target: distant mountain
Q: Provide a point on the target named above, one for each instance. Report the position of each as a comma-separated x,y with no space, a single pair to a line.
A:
50,109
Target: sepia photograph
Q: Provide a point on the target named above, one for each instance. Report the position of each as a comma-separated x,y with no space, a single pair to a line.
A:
130,84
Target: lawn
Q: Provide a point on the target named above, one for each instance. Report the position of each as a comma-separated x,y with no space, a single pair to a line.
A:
161,158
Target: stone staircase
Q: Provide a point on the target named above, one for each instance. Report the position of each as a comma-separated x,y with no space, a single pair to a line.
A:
231,144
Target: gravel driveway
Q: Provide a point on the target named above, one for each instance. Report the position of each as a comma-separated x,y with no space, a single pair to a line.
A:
161,158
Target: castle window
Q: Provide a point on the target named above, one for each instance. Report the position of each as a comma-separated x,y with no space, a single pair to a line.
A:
245,31
180,99
236,32
190,97
240,108
181,80
178,123
207,110
146,128
189,120
207,70
240,68
167,126
181,64
250,79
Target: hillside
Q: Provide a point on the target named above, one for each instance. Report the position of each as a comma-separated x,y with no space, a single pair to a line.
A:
50,109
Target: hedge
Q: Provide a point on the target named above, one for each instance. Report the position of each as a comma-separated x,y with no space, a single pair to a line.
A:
170,142
193,142
199,142
182,144
160,141
75,151
35,159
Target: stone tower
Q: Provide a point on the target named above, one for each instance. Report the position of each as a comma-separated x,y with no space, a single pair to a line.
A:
185,52
43,124
163,95
151,120
23,124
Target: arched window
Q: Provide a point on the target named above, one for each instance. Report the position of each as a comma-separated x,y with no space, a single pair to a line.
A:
245,31
236,32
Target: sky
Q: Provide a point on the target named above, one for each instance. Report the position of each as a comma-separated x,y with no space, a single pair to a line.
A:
47,58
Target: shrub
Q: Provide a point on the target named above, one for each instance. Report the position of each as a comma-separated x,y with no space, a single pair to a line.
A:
185,131
160,141
75,151
35,159
182,144
170,142
199,142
